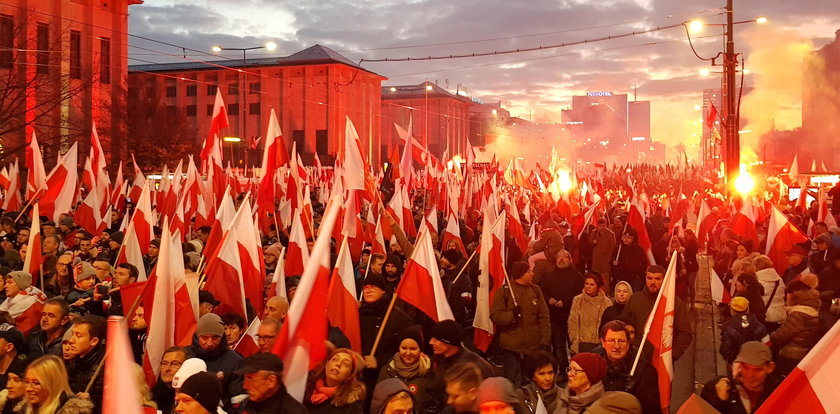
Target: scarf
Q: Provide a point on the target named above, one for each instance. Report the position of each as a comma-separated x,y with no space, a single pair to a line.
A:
414,370
321,393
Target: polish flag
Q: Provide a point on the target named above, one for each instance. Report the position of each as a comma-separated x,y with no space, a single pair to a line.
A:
378,244
118,194
812,386
297,253
515,228
250,255
421,285
12,202
138,234
37,178
248,344
101,181
223,220
192,191
119,394
782,235
719,293
659,331
301,342
34,259
343,309
88,214
218,121
138,182
743,222
582,220
225,274
274,155
492,266
62,183
452,235
636,220
406,162
352,159
278,278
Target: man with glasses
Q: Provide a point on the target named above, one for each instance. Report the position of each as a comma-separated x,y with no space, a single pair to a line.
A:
267,334
619,353
163,393
264,384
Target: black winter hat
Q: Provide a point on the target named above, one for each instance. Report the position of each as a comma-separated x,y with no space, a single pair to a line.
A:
447,332
518,269
452,256
204,388
413,332
375,280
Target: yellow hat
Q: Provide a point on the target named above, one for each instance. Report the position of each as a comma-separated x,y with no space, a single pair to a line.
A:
739,304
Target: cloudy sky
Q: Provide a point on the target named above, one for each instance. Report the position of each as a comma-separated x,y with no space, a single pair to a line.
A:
660,65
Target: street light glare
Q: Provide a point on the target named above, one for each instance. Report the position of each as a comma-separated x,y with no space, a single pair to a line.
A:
271,46
217,48
428,87
704,72
696,26
761,20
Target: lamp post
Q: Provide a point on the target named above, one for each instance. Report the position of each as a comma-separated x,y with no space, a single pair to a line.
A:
243,121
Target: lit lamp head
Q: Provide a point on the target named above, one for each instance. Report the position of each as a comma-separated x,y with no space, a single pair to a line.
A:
744,184
696,26
217,48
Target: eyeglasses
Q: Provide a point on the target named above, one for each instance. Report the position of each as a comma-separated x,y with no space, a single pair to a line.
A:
571,371
265,338
621,342
173,364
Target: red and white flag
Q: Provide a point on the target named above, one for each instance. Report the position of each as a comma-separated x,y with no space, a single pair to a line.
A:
248,343
218,121
225,275
659,331
782,235
492,266
12,202
119,394
34,259
37,178
297,253
343,309
636,220
812,387
421,285
274,155
61,187
452,236
301,342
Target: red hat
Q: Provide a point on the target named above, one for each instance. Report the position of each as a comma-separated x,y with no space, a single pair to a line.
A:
593,365
797,249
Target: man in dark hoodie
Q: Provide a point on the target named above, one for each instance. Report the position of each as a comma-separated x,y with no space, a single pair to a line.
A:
209,346
392,396
392,270
458,292
263,374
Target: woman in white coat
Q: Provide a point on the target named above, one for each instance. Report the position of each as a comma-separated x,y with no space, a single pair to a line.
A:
774,292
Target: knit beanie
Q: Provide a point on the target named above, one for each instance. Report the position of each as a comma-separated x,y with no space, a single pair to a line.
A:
82,271
739,304
593,365
210,324
498,389
615,402
275,249
375,280
205,389
21,278
448,332
189,368
412,332
518,269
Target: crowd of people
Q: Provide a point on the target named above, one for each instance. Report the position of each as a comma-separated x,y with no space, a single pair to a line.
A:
569,322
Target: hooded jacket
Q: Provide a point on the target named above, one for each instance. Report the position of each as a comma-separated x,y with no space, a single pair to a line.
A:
81,371
383,392
500,389
775,302
800,332
221,359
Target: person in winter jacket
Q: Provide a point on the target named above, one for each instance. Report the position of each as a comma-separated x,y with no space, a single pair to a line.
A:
629,260
334,386
372,312
603,245
392,396
751,383
449,353
585,314
541,370
774,292
57,397
411,366
619,353
560,288
87,344
821,257
742,327
747,285
797,258
210,346
12,398
800,331
263,374
621,295
830,277
520,312
744,253
586,372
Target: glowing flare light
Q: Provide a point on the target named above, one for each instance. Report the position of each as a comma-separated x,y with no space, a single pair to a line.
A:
744,184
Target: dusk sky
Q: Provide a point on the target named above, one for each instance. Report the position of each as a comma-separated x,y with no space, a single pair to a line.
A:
536,84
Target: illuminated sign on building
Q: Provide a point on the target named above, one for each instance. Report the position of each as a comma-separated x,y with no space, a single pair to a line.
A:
599,93
638,139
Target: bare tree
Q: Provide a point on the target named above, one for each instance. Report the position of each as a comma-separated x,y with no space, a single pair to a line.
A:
158,135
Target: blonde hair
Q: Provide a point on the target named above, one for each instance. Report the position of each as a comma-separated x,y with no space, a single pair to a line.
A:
143,388
50,372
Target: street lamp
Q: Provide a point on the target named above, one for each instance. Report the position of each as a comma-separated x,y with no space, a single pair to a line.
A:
270,46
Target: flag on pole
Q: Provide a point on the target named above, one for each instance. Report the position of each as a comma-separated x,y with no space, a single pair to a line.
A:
119,393
421,285
342,310
782,235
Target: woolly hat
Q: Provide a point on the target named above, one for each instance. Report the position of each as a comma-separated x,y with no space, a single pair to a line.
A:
593,365
66,221
448,332
498,389
82,271
275,249
614,402
117,237
189,368
518,269
375,280
155,242
210,324
452,256
205,389
739,304
21,278
412,332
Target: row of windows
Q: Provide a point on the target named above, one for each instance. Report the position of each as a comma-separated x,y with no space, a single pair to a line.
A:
232,89
232,109
42,54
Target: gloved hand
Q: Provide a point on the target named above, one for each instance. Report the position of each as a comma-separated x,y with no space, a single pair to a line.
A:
517,312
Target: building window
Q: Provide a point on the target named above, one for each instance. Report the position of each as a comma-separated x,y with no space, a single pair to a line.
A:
191,110
233,109
42,58
210,109
211,89
299,137
233,89
322,144
7,36
105,60
192,90
75,54
171,91
254,87
254,108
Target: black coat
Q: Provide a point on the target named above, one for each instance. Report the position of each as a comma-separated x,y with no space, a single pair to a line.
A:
81,370
280,402
221,359
631,263
734,404
371,316
563,285
644,384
